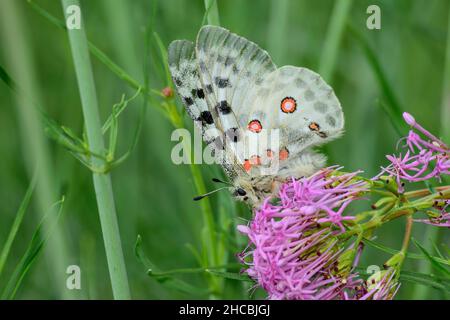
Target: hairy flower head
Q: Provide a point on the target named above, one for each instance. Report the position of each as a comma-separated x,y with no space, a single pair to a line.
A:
294,252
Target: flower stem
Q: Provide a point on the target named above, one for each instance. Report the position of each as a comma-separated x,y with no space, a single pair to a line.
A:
424,192
407,236
102,182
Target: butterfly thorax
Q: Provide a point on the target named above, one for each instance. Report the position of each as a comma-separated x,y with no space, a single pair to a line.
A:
254,190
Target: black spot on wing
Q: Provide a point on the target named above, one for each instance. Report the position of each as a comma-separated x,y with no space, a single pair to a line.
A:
222,82
206,117
223,107
209,89
188,101
198,93
177,81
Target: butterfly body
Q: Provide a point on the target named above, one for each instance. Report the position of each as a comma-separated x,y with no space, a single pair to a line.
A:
260,121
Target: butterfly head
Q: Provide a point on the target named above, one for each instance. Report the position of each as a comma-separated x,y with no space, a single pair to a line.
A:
242,193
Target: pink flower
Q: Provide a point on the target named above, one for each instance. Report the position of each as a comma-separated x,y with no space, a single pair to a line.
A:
293,251
424,159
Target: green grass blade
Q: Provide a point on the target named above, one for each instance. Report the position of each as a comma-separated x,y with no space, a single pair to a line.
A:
333,38
35,247
445,105
4,76
102,182
164,61
212,12
435,263
278,27
393,107
19,56
16,224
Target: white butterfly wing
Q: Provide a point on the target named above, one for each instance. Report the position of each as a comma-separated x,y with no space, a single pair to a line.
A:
299,103
229,66
230,84
184,70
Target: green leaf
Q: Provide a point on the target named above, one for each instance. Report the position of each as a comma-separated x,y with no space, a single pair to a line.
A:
230,275
434,261
35,247
17,222
118,108
408,255
427,280
64,136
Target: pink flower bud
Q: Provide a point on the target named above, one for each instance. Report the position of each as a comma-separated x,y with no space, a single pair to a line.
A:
409,119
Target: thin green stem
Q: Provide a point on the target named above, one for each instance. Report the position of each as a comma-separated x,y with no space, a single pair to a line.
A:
333,38
407,236
102,182
424,192
212,12
278,28
16,224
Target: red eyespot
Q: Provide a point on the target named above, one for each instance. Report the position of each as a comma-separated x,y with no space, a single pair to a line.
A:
247,165
254,126
314,126
284,154
288,105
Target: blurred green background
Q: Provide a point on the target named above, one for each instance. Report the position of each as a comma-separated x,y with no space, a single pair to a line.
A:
153,196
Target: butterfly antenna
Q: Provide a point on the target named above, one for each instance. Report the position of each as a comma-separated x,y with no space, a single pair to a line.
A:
221,181
208,194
